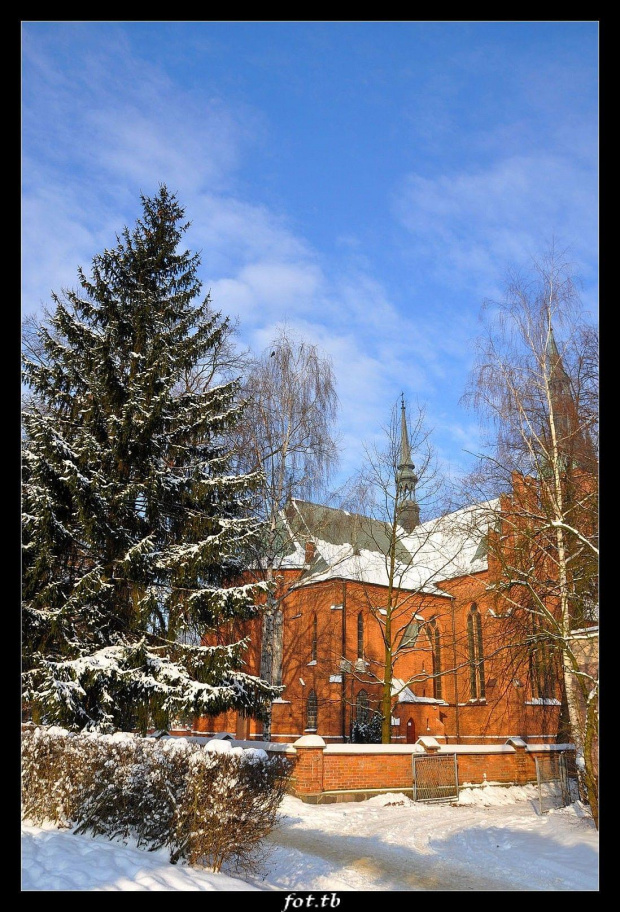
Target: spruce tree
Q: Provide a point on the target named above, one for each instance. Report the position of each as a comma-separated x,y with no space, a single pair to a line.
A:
135,526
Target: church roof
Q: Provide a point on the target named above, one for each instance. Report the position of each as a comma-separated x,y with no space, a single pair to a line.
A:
352,546
406,695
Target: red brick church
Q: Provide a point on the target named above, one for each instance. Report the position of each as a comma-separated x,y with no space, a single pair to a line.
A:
460,670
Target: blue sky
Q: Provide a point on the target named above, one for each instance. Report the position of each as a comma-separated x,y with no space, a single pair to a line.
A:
366,183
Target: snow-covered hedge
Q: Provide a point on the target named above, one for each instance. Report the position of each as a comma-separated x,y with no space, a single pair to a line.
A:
208,805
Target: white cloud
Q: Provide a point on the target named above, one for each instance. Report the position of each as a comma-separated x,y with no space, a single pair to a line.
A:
123,116
102,127
57,236
268,291
472,225
97,131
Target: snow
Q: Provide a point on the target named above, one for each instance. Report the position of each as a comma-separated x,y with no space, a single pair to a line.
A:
584,632
405,695
222,747
438,550
542,701
403,748
494,840
59,860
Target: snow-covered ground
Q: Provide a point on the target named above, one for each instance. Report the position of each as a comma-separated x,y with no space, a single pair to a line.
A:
494,839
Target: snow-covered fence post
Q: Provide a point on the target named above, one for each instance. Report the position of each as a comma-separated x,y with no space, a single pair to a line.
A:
522,760
309,766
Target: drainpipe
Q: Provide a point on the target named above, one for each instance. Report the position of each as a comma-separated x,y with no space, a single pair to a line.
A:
456,676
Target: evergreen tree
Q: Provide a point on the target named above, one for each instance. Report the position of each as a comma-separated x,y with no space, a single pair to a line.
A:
135,527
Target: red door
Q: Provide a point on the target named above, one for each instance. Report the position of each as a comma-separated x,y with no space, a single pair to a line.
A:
410,731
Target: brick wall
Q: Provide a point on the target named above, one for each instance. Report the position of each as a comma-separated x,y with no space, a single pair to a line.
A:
342,772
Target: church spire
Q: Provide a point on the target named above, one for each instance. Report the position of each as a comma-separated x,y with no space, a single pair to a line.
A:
405,449
406,479
573,439
560,383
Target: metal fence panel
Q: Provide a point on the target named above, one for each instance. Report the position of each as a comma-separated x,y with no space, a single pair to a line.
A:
435,778
556,776
569,782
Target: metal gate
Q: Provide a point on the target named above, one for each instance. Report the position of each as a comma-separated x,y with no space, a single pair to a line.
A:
435,778
556,776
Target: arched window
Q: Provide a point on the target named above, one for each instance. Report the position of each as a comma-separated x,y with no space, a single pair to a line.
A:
480,651
410,635
311,711
315,638
360,635
476,654
362,707
542,672
435,640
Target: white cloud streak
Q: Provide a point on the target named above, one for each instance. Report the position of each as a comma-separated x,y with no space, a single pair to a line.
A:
471,224
102,128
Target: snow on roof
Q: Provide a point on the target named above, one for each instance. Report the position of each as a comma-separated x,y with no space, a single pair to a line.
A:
405,695
352,546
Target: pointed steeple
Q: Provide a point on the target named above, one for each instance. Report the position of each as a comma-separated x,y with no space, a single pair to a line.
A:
573,439
406,479
560,383
405,449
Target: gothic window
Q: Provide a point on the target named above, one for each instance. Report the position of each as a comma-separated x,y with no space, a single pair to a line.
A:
311,711
475,654
480,651
360,635
315,638
435,640
542,675
362,706
410,635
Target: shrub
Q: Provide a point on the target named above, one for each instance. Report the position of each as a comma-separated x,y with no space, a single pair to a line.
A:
49,780
209,805
367,732
230,804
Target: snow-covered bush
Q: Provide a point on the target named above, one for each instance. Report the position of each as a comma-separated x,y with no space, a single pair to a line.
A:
230,804
50,781
205,806
138,786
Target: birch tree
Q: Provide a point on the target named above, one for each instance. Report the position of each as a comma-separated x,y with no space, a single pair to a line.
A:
288,434
535,381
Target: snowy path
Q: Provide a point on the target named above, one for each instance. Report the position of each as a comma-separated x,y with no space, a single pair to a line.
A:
368,846
345,862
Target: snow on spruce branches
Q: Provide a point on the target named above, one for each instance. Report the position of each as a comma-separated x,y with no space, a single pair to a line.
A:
136,530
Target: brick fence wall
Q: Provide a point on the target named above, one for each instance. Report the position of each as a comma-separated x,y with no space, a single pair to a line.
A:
342,772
